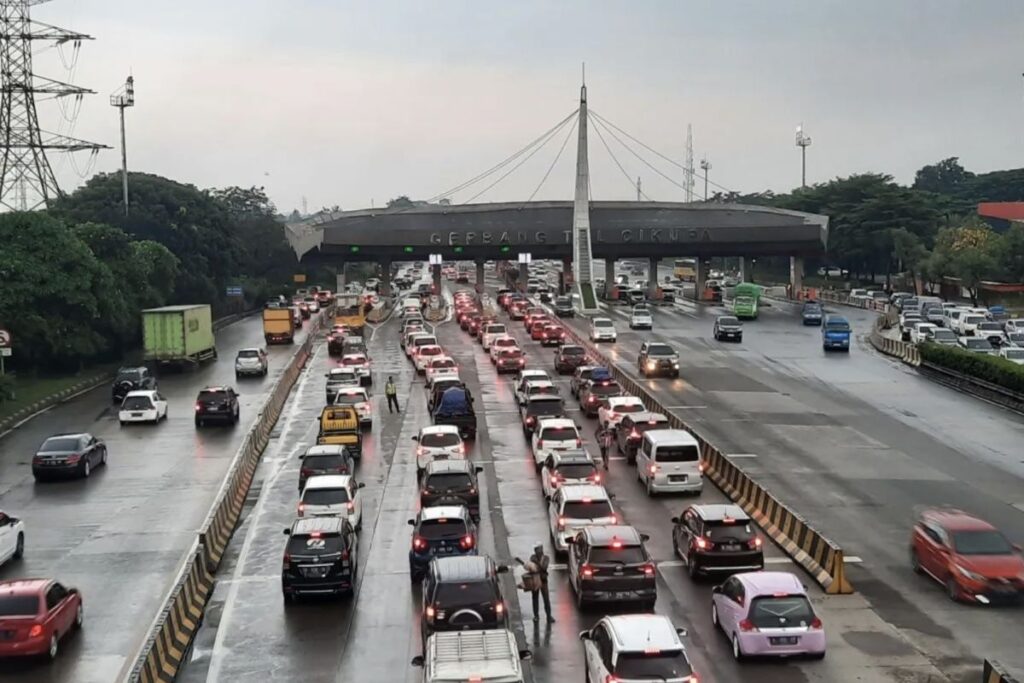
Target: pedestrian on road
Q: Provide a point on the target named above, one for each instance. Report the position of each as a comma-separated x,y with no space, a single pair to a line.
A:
391,391
538,566
604,440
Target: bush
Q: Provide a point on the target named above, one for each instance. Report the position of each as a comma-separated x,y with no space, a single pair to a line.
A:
992,369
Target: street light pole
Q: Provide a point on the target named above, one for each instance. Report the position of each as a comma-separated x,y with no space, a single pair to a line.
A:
122,101
803,142
705,166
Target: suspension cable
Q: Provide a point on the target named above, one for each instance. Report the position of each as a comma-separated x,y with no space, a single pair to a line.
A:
634,153
628,178
572,129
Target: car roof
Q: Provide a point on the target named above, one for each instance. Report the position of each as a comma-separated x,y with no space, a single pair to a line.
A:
647,416
719,511
441,466
439,429
622,400
327,481
325,449
670,435
556,422
141,392
65,435
215,388
571,346
23,586
957,520
526,374
639,632
540,382
589,491
768,583
605,535
326,524
444,511
465,568
571,455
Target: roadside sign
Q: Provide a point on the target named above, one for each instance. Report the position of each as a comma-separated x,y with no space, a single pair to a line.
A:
299,277
5,339
5,352
234,291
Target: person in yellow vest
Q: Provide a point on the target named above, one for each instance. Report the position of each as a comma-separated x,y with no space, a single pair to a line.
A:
391,391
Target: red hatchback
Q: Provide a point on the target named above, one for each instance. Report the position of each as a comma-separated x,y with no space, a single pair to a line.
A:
968,556
35,614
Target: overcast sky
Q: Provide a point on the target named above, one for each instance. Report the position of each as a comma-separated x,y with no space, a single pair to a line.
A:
347,103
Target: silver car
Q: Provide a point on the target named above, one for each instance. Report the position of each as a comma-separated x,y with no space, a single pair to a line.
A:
252,361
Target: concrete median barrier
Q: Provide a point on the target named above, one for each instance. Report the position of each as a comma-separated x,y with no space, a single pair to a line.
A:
994,673
822,558
905,351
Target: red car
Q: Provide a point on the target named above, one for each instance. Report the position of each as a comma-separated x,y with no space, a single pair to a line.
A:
517,309
551,335
968,556
35,614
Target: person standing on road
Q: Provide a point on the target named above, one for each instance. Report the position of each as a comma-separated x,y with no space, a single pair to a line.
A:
391,391
538,565
604,441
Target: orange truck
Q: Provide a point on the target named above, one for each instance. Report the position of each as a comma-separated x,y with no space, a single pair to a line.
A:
278,326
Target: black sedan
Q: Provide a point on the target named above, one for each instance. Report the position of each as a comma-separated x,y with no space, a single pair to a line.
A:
75,455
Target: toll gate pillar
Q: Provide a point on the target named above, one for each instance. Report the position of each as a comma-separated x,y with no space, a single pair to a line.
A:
796,275
609,276
700,278
652,277
479,276
385,278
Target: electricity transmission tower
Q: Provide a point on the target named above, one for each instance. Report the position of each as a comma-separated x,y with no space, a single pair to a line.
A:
27,181
689,162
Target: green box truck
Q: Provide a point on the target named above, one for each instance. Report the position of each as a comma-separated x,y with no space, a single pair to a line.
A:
178,334
745,299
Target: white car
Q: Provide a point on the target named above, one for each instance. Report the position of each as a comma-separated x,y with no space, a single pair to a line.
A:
525,376
142,406
992,331
359,363
976,345
907,321
537,387
969,324
410,340
614,408
438,442
424,355
440,366
491,332
617,643
1014,354
12,538
858,295
573,467
1014,325
641,318
338,378
329,495
572,508
919,333
358,399
312,304
553,435
499,344
251,361
602,329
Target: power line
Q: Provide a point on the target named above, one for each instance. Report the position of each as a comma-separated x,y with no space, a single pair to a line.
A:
552,166
629,178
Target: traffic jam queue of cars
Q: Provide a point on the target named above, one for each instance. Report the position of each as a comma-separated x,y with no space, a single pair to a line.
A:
36,613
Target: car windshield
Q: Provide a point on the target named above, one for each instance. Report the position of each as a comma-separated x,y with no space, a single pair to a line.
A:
213,396
629,408
443,440
728,321
943,334
454,594
610,389
990,327
667,665
837,326
974,320
129,376
511,353
721,530
137,403
576,470
578,509
562,301
325,496
505,342
349,399
448,480
787,611
677,454
978,344
558,433
495,329
984,542
248,353
60,444
19,605
632,554
1014,354
545,408
341,376
442,528
327,461
541,390
812,308
572,351
660,350
319,544
603,323
442,363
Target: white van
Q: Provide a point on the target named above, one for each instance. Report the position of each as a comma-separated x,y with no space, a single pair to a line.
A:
668,460
489,656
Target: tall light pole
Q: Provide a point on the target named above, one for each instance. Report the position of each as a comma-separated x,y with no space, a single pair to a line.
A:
803,142
123,100
705,166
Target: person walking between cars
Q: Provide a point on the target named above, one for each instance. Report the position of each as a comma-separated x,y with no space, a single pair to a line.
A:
391,391
604,440
535,580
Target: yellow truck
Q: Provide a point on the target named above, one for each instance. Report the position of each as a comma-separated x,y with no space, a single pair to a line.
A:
278,326
339,426
350,311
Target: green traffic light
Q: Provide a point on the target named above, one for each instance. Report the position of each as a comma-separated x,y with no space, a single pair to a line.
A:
505,248
408,250
458,250
353,249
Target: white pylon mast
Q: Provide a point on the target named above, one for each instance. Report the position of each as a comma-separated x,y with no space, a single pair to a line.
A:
689,162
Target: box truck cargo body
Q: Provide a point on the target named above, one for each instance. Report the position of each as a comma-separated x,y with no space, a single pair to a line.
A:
278,326
178,334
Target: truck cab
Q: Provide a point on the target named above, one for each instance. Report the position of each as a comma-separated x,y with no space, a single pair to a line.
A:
835,333
339,425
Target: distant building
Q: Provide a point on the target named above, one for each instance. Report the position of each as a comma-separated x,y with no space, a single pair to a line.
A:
1001,215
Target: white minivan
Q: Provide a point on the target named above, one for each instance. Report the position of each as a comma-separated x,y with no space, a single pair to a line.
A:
668,461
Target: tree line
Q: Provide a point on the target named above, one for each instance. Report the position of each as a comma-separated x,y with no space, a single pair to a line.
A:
74,278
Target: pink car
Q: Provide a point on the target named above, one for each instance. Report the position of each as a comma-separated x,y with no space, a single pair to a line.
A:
767,614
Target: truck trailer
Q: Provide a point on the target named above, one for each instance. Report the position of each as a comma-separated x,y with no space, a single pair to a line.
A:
278,325
178,335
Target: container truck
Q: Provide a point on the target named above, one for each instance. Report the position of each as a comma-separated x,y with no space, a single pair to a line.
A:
178,335
278,325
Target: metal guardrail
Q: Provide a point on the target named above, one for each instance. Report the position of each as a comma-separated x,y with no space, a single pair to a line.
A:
993,672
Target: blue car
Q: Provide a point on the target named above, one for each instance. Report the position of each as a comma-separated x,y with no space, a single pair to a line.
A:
835,333
442,531
812,314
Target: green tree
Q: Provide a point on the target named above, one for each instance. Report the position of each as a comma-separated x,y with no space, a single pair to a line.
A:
1010,253
945,177
973,265
910,251
401,202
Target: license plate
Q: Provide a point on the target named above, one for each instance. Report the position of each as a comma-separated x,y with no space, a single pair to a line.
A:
677,477
623,594
731,547
136,414
783,640
314,572
7,635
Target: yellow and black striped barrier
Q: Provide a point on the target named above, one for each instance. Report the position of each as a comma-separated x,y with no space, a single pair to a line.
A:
994,673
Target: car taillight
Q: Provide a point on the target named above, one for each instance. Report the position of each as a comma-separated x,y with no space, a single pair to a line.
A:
611,679
700,468
522,361
816,624
431,613
499,608
461,448
421,451
540,443
648,569
596,477
351,506
305,471
302,509
615,518
199,406
561,522
419,543
634,434
467,541
554,480
35,631
590,399
652,468
579,443
747,626
701,542
586,571
529,420
287,562
755,542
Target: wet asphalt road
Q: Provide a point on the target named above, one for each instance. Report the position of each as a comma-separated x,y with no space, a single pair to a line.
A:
119,536
249,632
856,443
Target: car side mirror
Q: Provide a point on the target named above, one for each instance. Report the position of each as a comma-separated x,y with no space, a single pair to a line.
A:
645,537
302,457
417,660
287,532
675,520
478,469
716,590
502,569
360,485
547,497
416,438
570,540
611,496
525,654
1018,547
682,632
412,522
585,635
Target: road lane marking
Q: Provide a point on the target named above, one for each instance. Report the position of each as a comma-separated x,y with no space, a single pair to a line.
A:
741,455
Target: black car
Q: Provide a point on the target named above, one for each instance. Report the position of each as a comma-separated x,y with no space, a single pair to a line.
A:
216,404
538,406
451,482
442,531
631,431
569,357
656,359
131,379
441,385
717,539
319,558
75,455
563,307
462,594
325,459
455,407
611,564
594,392
728,327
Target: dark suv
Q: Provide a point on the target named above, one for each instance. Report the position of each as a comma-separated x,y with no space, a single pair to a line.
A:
320,558
717,539
325,459
216,404
462,593
563,307
442,531
596,391
569,357
657,359
451,482
131,379
631,431
611,564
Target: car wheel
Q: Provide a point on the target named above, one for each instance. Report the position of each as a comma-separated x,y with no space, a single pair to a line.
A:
952,590
51,652
737,651
79,616
818,655
650,491
915,562
714,614
103,457
122,422
691,567
86,468
19,547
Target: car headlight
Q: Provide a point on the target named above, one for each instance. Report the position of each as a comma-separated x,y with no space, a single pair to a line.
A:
967,573
650,364
675,365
